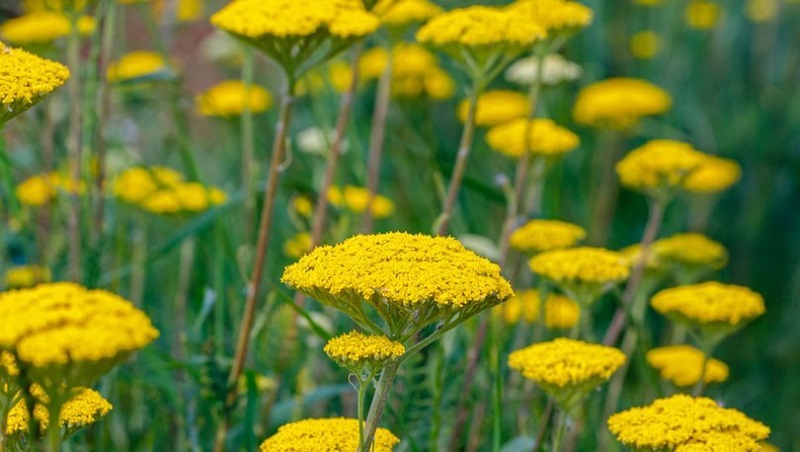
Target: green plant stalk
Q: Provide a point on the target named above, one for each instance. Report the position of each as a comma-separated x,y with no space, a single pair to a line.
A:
185,264
497,393
362,394
5,175
74,147
560,429
707,346
378,404
249,167
219,288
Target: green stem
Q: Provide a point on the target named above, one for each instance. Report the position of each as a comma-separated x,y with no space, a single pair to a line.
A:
707,347
497,393
74,148
561,427
5,175
362,393
249,167
378,404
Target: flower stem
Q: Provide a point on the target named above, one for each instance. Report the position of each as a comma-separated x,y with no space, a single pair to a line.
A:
362,392
74,147
379,403
249,167
5,175
561,427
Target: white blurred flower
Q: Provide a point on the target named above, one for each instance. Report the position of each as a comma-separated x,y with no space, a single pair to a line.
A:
556,69
317,141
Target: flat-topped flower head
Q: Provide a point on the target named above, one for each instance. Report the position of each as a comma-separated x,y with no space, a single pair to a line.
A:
325,435
134,185
139,64
567,369
690,252
356,200
714,175
230,99
183,198
42,27
554,15
402,13
496,107
25,79
363,352
619,103
682,422
544,138
683,364
559,311
537,236
659,167
582,273
410,280
709,303
85,407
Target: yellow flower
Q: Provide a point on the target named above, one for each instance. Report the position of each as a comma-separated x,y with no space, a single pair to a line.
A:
31,6
703,14
713,176
184,197
354,349
645,44
187,10
416,72
677,422
303,206
649,2
683,364
8,365
298,245
496,107
481,26
340,75
25,276
545,235
137,64
761,11
545,138
400,13
554,15
619,103
356,199
659,166
25,79
42,27
709,303
134,185
523,305
561,312
39,190
372,63
691,249
582,273
314,435
86,407
229,98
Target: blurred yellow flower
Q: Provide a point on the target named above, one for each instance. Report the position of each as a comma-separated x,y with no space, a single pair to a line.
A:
228,99
582,273
334,434
649,2
683,364
135,184
691,249
340,75
645,44
496,107
401,13
356,200
536,236
554,15
761,11
709,303
24,276
42,27
559,311
136,64
25,79
298,245
184,197
41,189
303,206
619,103
545,138
659,166
703,14
523,305
714,175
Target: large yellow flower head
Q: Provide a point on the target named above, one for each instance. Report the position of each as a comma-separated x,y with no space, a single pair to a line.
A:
496,107
362,352
691,250
659,166
410,280
619,103
231,97
136,65
544,138
324,435
85,407
42,28
554,15
681,423
25,79
709,303
567,369
582,273
356,200
683,364
545,235
714,175
401,13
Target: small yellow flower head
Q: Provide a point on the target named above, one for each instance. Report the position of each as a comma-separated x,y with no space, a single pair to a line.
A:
55,5
762,11
691,250
64,331
303,206
41,189
86,407
545,235
356,199
298,245
619,103
24,276
683,364
567,369
649,2
42,28
645,44
496,107
25,79
372,63
184,197
314,435
561,312
8,366
402,276
402,13
681,423
554,15
545,138
583,273
135,65
134,185
659,166
416,72
524,305
355,350
481,26
703,14
229,98
709,303
713,176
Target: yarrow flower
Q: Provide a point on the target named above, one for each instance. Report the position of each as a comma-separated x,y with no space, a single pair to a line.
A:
645,44
496,107
335,434
544,138
691,250
683,364
298,245
714,175
356,200
42,27
559,311
415,71
702,14
710,303
536,236
401,13
41,189
363,353
137,65
25,79
684,423
619,103
85,407
163,191
24,276
659,167
134,185
554,15
231,97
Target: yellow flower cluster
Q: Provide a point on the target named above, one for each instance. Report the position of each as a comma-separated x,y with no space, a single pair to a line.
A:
85,407
702,14
714,175
325,435
691,249
582,264
545,235
659,165
135,184
415,72
481,26
496,107
41,189
559,311
231,97
566,362
554,15
134,65
356,199
259,19
683,364
400,13
402,270
545,138
42,27
25,79
298,245
619,103
710,302
354,348
162,190
55,5
59,324
645,44
682,423
24,276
